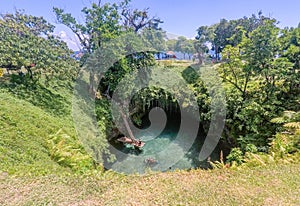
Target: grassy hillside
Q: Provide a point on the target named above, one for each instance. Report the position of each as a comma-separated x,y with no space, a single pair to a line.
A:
25,130
36,132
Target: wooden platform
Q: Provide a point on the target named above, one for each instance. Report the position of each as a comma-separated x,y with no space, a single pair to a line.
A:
126,140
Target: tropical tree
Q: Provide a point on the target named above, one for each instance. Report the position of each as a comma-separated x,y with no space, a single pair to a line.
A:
110,36
136,20
203,37
184,45
27,42
254,73
230,32
189,48
103,23
171,44
155,38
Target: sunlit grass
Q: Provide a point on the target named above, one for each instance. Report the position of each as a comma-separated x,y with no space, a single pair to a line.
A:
269,185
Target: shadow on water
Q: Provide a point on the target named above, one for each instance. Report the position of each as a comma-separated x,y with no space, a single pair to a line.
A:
159,144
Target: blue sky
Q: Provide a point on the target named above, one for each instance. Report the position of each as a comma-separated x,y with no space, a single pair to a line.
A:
180,17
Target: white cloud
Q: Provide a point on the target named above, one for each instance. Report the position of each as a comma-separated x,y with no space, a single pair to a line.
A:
71,40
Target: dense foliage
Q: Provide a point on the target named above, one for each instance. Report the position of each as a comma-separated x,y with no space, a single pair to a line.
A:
260,71
27,46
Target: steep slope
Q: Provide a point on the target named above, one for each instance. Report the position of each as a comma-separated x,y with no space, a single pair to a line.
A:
25,132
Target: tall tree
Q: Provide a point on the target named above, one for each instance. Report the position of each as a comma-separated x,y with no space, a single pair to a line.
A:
229,32
203,37
255,72
180,43
27,42
155,38
171,44
98,37
136,19
101,24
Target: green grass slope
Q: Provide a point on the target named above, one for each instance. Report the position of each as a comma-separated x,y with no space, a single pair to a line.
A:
37,134
24,130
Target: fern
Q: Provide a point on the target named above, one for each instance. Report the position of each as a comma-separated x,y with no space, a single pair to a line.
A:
287,142
279,120
289,119
292,125
67,151
286,117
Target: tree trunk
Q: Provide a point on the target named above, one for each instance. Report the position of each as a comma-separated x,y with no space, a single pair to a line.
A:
92,89
131,136
200,58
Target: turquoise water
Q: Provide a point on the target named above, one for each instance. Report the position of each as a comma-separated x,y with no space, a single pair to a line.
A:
166,149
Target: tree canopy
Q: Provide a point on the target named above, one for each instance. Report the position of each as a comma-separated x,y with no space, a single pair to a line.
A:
230,32
27,42
103,23
261,74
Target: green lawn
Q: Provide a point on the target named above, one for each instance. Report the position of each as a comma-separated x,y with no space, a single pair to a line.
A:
270,185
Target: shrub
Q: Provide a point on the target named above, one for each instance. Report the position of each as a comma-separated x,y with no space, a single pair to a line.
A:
235,156
251,148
